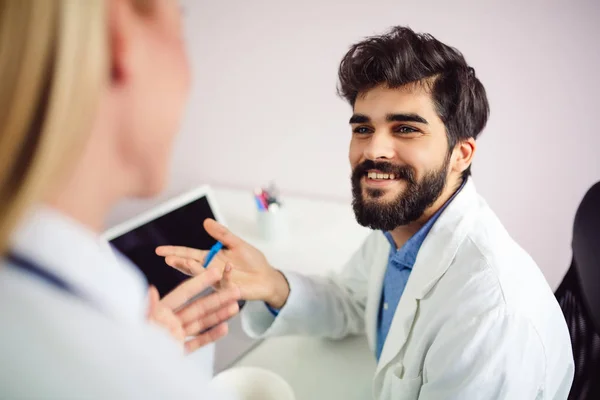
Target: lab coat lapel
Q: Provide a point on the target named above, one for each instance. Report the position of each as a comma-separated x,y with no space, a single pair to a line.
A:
434,258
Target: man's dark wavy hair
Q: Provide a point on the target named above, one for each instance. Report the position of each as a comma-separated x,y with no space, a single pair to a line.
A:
400,57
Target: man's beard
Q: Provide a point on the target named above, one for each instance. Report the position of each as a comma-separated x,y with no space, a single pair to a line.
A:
407,207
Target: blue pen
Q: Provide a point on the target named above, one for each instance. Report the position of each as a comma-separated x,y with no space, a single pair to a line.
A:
212,253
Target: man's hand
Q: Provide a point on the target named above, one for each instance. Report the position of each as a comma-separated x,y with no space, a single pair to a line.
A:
204,318
252,274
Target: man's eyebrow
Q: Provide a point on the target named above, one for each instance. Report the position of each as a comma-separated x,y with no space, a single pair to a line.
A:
402,117
359,119
406,118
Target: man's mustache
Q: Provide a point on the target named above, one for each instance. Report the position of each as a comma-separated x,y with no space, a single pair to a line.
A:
400,171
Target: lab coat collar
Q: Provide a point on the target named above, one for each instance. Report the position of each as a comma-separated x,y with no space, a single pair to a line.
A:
81,258
434,258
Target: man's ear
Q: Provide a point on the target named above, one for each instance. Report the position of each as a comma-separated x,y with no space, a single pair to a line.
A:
462,155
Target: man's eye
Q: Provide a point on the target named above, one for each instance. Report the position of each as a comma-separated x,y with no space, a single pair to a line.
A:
404,129
362,130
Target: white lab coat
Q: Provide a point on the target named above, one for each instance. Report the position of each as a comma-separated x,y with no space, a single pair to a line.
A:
54,345
476,321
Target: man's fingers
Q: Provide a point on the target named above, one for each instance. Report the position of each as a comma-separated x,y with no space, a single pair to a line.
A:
221,233
225,281
208,304
221,315
186,259
181,252
179,264
210,336
186,265
192,287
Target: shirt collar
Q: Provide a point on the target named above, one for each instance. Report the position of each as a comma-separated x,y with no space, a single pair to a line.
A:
81,258
406,256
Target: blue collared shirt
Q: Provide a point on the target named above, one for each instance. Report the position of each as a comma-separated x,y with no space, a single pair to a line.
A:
399,267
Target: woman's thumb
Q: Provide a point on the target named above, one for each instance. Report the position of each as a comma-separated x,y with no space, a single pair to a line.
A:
154,299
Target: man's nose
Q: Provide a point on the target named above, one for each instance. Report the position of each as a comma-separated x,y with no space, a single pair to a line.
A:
381,146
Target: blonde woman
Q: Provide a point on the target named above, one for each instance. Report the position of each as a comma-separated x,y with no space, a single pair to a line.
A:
91,94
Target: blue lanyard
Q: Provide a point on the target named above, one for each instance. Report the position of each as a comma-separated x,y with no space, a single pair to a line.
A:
51,279
48,277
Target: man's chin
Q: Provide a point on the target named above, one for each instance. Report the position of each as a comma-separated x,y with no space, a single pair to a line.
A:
381,196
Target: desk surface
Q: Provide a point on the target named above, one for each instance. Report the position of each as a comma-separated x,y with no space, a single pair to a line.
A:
318,368
322,237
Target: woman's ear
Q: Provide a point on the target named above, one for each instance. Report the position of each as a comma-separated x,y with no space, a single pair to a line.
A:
121,15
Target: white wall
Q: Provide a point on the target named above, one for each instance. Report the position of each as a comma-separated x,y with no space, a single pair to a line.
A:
264,106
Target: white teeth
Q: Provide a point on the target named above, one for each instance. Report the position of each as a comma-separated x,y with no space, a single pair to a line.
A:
375,175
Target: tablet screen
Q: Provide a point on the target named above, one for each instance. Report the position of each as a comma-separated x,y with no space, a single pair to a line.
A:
180,227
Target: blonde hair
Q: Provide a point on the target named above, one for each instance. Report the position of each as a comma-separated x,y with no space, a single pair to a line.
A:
53,62
53,65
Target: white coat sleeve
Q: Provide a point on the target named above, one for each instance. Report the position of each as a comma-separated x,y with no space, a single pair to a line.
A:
331,307
493,356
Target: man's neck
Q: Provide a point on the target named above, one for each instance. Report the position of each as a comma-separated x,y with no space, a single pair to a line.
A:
402,233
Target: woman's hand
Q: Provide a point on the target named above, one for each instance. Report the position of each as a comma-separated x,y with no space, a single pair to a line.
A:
205,318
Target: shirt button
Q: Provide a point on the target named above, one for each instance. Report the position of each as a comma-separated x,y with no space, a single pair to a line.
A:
385,306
